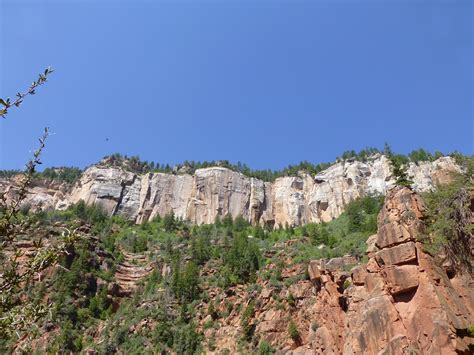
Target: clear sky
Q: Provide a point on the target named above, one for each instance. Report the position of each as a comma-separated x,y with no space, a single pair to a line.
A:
267,83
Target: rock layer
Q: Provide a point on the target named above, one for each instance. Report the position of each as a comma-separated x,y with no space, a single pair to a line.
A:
217,191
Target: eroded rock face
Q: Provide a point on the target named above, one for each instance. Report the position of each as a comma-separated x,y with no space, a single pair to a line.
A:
426,175
43,194
217,191
401,300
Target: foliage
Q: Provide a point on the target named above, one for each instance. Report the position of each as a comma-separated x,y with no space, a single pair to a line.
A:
291,300
265,348
66,174
185,282
138,166
62,174
187,340
399,165
421,154
7,103
160,317
135,164
245,322
449,218
362,155
242,258
293,332
18,309
470,331
169,222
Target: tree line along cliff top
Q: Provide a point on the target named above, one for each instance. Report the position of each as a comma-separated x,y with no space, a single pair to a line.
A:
136,165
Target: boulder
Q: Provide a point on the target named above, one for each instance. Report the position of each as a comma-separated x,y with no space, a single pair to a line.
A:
313,270
400,254
371,244
391,234
402,278
358,275
340,263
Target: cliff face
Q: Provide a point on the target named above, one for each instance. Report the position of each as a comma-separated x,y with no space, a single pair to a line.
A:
210,192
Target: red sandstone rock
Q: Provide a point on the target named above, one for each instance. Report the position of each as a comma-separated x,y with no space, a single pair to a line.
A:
313,270
397,255
391,234
371,245
402,278
358,275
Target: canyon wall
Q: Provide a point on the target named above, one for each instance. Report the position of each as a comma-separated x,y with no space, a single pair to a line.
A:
217,191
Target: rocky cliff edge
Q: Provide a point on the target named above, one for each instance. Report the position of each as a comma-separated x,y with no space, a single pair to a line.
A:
217,191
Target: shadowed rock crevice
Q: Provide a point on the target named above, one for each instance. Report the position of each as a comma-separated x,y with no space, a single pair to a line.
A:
406,296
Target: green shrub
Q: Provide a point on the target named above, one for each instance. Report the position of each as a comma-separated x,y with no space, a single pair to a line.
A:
245,322
187,340
293,332
243,258
265,348
291,300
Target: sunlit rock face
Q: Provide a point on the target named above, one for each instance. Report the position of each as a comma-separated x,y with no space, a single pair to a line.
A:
426,175
217,191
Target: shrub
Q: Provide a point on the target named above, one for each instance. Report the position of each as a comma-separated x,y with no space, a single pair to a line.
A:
187,340
66,174
245,322
265,348
211,310
243,257
291,300
293,332
169,222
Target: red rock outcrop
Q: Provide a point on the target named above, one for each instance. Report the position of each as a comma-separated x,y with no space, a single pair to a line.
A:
401,301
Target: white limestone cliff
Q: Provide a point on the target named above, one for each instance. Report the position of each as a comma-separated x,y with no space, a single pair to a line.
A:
217,191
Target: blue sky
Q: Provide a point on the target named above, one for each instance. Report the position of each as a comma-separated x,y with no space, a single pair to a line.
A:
267,83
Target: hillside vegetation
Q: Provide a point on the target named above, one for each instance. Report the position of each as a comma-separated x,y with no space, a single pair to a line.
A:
139,288
235,252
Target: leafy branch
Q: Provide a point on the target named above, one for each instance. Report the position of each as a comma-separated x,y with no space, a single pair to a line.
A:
11,210
17,270
7,103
